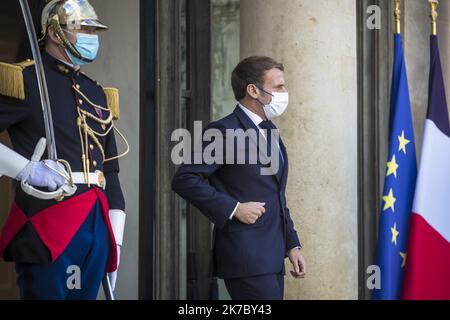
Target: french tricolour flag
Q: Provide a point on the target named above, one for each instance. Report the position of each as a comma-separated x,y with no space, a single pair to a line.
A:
427,274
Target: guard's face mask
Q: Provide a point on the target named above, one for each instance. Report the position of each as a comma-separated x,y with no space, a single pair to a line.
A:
278,105
87,45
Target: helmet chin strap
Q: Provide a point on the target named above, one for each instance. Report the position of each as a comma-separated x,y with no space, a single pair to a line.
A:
75,52
54,23
63,48
62,51
65,42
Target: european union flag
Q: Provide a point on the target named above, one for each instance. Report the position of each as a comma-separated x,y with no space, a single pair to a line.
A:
399,187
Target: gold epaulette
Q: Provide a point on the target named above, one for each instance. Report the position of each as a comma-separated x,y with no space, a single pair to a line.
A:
112,98
11,79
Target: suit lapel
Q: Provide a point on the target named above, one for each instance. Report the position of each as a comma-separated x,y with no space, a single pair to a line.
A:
286,164
247,123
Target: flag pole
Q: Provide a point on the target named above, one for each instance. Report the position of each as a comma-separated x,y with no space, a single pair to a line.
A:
433,15
398,16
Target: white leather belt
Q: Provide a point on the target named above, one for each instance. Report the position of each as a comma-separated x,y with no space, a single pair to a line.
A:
96,178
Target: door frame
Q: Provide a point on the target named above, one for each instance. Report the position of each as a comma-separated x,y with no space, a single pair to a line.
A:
375,52
170,229
147,151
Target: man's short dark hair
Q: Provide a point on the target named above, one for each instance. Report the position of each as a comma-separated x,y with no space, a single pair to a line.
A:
251,71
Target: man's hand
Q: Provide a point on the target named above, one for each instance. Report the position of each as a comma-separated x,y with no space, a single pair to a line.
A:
298,262
250,212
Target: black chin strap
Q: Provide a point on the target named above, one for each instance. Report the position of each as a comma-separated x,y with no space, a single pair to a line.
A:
262,104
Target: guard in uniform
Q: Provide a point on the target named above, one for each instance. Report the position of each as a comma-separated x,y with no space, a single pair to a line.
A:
63,248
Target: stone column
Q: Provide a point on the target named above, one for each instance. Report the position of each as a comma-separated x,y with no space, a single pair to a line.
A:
316,40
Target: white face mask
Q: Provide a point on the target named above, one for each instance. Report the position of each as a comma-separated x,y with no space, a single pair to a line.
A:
279,104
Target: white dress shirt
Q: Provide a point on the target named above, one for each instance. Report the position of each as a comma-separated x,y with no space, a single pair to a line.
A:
256,119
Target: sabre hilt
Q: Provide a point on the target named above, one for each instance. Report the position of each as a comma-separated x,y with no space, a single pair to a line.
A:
66,190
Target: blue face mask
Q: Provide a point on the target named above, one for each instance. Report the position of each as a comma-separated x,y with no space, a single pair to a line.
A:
88,46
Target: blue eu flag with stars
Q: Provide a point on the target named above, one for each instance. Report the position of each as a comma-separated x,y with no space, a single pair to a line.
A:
399,187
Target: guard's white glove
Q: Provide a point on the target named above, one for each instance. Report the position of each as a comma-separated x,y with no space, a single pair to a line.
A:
117,218
47,173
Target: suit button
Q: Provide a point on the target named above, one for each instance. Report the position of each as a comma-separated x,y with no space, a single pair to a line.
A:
77,86
91,147
94,163
80,102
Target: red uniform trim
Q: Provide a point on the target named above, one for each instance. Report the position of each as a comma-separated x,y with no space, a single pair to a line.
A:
112,262
58,224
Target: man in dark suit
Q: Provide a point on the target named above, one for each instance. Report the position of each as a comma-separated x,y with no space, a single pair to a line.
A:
254,232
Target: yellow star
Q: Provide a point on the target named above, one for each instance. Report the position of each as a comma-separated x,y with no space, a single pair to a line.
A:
392,167
403,142
389,201
395,234
404,257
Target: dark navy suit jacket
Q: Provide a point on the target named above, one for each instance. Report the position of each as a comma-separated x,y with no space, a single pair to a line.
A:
241,250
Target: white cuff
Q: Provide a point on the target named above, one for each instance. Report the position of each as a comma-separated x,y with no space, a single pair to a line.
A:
11,163
117,219
295,248
234,211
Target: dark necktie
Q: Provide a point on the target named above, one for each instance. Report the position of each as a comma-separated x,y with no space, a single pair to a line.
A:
268,125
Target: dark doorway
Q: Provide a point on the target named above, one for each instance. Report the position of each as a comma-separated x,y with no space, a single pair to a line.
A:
374,68
183,95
